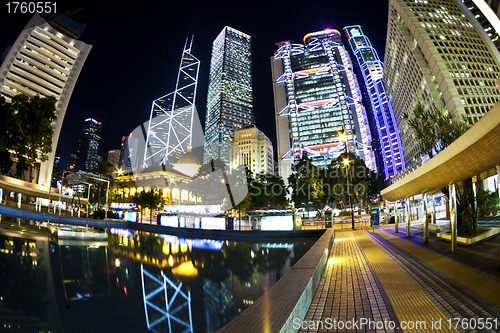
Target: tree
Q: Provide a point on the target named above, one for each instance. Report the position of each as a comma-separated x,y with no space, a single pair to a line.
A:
103,169
268,191
29,130
6,114
436,129
305,184
148,199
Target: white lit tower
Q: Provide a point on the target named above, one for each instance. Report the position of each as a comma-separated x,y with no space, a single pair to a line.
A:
46,59
173,117
318,103
230,99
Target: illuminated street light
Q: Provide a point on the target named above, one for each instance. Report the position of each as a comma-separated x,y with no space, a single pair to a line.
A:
346,162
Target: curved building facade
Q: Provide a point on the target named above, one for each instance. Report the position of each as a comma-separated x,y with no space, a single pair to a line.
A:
387,143
47,62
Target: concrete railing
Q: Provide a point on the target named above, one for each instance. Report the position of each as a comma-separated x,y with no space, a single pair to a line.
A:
290,297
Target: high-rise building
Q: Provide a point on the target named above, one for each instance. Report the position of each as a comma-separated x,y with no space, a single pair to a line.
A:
487,14
437,55
251,147
45,61
88,144
70,163
230,99
114,157
174,124
386,143
318,103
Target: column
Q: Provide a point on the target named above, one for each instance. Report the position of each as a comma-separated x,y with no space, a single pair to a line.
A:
426,219
408,212
498,189
433,209
453,216
397,217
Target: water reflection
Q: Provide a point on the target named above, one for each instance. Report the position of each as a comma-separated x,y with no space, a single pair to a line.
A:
86,287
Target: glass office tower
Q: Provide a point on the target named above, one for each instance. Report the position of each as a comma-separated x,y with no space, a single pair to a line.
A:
387,143
88,144
317,100
229,100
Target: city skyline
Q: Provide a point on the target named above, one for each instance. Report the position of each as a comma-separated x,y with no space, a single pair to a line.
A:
119,97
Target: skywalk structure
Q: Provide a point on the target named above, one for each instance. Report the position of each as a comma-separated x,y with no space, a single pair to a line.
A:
173,117
317,101
46,59
387,143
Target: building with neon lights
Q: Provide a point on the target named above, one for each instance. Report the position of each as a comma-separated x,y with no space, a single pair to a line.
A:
438,55
88,145
386,143
317,98
173,118
44,60
230,97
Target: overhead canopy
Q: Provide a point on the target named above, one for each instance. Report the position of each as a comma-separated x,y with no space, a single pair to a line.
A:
476,151
34,190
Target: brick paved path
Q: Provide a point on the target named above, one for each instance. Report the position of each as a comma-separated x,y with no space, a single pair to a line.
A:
369,279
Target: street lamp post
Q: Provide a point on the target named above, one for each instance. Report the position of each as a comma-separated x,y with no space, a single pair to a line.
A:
346,164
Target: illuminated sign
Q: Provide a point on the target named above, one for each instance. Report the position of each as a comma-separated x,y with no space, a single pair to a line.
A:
169,221
276,222
213,223
193,209
123,205
131,216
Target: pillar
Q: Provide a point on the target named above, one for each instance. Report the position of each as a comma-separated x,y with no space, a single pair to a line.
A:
426,219
396,212
498,189
19,200
434,218
408,212
453,216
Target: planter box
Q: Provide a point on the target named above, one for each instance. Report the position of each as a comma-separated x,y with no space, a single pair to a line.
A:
469,240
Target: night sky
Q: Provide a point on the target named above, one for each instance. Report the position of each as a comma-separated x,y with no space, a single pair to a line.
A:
137,48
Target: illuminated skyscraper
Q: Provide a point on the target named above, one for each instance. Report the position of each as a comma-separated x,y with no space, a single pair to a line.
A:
230,99
46,61
437,55
88,144
487,13
386,143
174,123
317,99
251,147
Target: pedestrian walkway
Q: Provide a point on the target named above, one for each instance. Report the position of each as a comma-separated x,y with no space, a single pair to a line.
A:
376,282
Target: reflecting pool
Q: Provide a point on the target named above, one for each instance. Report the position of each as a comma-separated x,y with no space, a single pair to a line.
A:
136,282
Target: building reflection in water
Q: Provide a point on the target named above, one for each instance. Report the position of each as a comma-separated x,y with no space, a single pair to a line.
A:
46,286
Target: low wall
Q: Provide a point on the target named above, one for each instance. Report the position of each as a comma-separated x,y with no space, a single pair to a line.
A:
290,297
182,232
